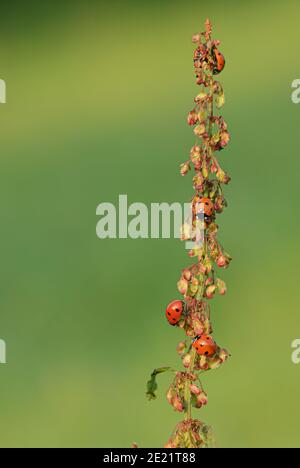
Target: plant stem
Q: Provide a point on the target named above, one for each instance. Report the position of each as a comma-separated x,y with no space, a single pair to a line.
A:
210,111
187,395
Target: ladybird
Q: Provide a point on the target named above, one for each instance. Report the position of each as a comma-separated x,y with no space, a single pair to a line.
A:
219,61
208,206
174,312
205,345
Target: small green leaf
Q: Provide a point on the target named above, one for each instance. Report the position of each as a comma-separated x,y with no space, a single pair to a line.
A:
160,370
152,384
151,388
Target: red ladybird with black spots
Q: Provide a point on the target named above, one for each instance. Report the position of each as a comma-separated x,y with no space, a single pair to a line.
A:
219,61
208,206
205,345
174,311
208,210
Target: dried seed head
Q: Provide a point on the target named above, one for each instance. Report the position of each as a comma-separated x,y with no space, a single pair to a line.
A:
181,347
186,274
177,404
210,291
223,261
185,168
192,118
202,400
186,360
221,285
182,286
196,38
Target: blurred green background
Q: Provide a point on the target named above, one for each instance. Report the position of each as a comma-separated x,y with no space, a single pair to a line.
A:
97,97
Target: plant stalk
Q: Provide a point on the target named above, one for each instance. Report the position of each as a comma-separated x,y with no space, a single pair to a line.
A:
187,396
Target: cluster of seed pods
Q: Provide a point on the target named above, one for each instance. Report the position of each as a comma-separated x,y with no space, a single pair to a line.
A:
199,282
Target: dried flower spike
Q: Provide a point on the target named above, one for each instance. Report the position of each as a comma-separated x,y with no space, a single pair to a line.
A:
198,282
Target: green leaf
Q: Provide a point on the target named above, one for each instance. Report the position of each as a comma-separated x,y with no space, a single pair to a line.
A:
151,388
152,384
160,370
